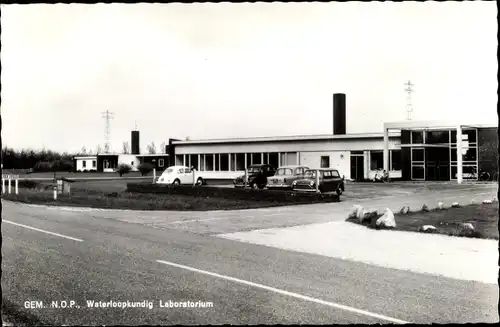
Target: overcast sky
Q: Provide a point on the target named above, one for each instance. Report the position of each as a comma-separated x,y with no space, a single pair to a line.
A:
239,70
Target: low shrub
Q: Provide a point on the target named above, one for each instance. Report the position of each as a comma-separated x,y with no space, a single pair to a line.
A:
145,168
56,165
28,184
43,166
232,193
124,169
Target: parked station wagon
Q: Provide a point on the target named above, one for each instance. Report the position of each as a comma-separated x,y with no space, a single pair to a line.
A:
329,181
285,176
257,176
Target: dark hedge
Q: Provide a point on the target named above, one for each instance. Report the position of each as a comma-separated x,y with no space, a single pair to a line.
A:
232,193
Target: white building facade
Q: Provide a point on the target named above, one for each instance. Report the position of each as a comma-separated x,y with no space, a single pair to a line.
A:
356,156
86,163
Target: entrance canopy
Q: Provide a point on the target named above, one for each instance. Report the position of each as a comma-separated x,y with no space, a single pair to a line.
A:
428,125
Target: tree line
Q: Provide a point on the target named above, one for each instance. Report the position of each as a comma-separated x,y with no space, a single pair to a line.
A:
38,160
48,160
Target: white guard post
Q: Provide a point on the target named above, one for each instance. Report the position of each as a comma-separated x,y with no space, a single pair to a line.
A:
154,175
17,186
55,192
459,155
10,187
386,149
3,184
317,180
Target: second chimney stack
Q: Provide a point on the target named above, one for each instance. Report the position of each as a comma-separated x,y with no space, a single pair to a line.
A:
339,114
135,142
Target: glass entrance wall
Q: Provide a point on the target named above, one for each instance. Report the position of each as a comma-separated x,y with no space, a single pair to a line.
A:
418,164
433,154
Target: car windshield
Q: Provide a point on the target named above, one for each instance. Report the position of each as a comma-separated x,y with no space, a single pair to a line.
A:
253,169
335,173
310,174
284,171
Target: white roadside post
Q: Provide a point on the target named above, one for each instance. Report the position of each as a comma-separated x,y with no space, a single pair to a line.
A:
459,155
10,187
317,181
17,186
154,175
3,184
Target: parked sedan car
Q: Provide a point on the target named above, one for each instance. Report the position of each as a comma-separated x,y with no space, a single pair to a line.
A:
176,175
285,176
257,176
329,181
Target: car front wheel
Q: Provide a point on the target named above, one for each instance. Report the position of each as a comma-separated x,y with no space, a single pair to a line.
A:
254,186
199,182
339,191
177,182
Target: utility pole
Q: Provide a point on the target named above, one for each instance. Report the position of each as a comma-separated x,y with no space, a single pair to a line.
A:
107,115
409,106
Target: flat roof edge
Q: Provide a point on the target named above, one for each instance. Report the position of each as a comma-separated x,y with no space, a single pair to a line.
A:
290,138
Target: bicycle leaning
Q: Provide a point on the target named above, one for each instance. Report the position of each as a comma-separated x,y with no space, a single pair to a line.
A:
482,176
381,176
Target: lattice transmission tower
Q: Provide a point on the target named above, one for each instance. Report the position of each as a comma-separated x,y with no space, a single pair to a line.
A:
409,105
107,115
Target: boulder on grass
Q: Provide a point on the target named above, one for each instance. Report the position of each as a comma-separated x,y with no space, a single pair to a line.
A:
455,205
404,210
425,208
427,229
387,221
466,229
354,212
487,201
440,206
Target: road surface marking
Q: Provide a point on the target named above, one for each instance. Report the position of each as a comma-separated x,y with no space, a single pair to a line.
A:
291,294
43,231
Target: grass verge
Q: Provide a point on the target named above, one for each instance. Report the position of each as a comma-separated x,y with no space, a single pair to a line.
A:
484,218
181,199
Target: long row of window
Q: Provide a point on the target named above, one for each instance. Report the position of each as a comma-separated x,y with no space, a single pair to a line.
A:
235,161
239,161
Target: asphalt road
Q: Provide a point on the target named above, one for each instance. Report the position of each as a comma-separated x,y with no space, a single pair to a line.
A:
91,258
